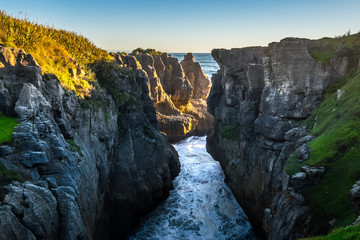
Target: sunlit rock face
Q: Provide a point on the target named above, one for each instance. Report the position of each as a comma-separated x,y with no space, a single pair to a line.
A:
91,167
256,98
178,91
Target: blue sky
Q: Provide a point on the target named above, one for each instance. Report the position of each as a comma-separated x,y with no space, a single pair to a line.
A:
191,25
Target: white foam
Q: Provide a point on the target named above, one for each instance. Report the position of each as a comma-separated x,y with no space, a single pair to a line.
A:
201,206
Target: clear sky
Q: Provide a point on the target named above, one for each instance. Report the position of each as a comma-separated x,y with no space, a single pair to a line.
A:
191,25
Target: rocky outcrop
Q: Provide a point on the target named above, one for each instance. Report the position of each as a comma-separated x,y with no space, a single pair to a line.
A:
178,91
263,92
91,167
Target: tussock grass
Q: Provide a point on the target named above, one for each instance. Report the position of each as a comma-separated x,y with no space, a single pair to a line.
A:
59,52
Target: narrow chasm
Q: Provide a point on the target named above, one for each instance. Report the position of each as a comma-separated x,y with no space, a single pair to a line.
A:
201,206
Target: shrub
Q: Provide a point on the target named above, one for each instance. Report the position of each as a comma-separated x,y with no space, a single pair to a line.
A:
232,132
143,51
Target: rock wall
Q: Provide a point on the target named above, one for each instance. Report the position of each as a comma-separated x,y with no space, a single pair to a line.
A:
258,97
178,91
91,167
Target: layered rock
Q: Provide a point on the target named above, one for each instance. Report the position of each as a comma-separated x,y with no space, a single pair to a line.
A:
91,167
178,91
261,92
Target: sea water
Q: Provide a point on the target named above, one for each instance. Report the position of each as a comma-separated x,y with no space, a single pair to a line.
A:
201,206
207,62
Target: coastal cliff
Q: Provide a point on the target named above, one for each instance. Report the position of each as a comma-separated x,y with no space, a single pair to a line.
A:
262,100
83,168
178,91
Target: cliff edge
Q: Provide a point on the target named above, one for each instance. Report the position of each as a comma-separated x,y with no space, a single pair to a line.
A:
260,99
78,168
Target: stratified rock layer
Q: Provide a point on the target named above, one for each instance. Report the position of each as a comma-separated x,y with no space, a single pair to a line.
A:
91,167
256,98
178,91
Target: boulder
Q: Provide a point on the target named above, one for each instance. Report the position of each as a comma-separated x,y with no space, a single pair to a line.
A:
300,181
355,196
314,173
31,102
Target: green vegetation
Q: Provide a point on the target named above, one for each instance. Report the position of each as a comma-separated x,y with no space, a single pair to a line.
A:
336,125
148,132
6,177
292,166
143,51
345,233
59,52
232,132
106,71
348,45
7,125
74,147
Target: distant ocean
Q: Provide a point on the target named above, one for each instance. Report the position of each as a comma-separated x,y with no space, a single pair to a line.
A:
207,63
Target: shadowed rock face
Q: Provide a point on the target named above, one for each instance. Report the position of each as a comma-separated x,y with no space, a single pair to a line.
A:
263,90
91,167
178,91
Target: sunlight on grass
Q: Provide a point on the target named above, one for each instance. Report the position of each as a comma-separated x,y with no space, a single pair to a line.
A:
63,53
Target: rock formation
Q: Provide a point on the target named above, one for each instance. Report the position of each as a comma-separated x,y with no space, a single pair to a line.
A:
90,167
257,99
178,91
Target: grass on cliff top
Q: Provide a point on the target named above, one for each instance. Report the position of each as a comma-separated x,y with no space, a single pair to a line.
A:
336,125
348,45
345,233
143,51
7,125
55,50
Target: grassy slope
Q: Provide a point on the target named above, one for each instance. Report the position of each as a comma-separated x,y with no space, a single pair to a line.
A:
337,147
345,233
55,50
7,125
336,126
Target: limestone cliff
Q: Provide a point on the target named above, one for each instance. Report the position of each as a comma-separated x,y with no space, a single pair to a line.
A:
258,98
91,167
178,91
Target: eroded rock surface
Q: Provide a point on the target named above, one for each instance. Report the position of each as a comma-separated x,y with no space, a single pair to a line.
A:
178,91
91,167
257,98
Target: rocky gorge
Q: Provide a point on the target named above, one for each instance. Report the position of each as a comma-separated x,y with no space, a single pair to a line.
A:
89,167
261,99
178,90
